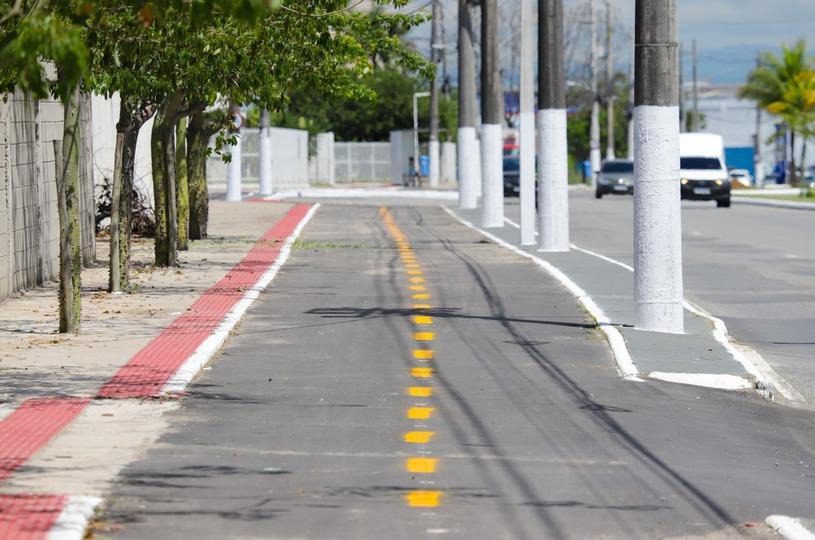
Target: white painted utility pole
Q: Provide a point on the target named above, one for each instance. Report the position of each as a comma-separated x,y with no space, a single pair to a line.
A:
630,155
469,157
233,168
492,151
758,158
416,97
527,127
594,133
610,97
433,149
658,294
553,161
696,126
265,155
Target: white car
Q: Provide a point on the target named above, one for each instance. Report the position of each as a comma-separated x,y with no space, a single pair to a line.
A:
742,176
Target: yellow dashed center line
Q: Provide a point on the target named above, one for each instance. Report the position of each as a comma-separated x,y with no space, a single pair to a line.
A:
418,437
423,499
420,391
422,354
419,413
424,465
420,465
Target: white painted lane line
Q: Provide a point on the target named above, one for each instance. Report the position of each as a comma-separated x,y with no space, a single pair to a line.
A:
721,381
749,358
74,518
625,365
789,528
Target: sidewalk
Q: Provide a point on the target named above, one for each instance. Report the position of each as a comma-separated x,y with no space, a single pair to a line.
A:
59,447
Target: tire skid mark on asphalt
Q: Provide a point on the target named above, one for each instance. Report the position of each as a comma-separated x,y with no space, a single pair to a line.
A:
421,466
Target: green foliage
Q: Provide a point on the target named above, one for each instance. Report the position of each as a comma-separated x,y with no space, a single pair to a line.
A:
578,101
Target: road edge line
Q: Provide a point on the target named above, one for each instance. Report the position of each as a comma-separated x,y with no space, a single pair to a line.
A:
788,527
202,355
73,520
622,357
789,205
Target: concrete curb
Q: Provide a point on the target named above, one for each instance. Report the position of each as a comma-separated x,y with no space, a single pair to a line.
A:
789,528
755,201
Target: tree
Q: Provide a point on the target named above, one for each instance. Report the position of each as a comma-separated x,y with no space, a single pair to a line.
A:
778,84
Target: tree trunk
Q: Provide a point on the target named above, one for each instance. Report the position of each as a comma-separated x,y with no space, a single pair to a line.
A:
182,187
163,161
114,274
70,249
126,205
803,155
201,127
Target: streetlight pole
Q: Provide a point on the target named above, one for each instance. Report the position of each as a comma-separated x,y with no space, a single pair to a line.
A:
492,200
416,97
610,97
469,161
658,291
527,128
433,144
594,129
553,168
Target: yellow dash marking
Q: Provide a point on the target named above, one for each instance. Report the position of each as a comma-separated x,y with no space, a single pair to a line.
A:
422,319
418,437
424,336
412,265
421,296
421,465
416,280
421,372
422,354
423,499
420,306
418,288
414,272
420,391
419,413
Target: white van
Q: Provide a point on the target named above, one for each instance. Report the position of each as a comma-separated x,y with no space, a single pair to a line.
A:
702,168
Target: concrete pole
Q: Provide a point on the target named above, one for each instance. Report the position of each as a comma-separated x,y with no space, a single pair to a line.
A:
492,151
594,133
630,155
233,168
527,127
609,87
553,161
758,159
469,158
265,156
433,143
695,91
658,294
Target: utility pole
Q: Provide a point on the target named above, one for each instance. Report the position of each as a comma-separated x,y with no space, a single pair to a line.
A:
265,154
433,144
758,158
469,158
695,91
527,127
610,97
594,134
553,168
682,120
492,166
658,292
630,114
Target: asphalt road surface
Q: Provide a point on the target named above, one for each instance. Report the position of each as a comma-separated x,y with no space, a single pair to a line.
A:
751,266
402,378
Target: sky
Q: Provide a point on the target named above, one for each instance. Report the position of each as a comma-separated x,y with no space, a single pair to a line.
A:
729,33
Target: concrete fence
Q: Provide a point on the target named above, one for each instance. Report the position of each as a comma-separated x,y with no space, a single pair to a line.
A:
29,223
362,162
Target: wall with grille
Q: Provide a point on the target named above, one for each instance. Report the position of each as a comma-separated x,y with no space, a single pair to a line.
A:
362,162
29,223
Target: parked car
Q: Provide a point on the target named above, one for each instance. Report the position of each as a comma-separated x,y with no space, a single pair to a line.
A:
742,176
616,177
512,176
702,170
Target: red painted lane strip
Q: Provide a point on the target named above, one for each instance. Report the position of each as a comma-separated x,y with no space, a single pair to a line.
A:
31,426
150,369
29,517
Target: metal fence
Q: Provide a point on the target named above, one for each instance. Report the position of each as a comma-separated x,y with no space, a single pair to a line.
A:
362,161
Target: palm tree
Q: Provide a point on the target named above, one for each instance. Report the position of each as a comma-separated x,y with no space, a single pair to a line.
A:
797,107
774,81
